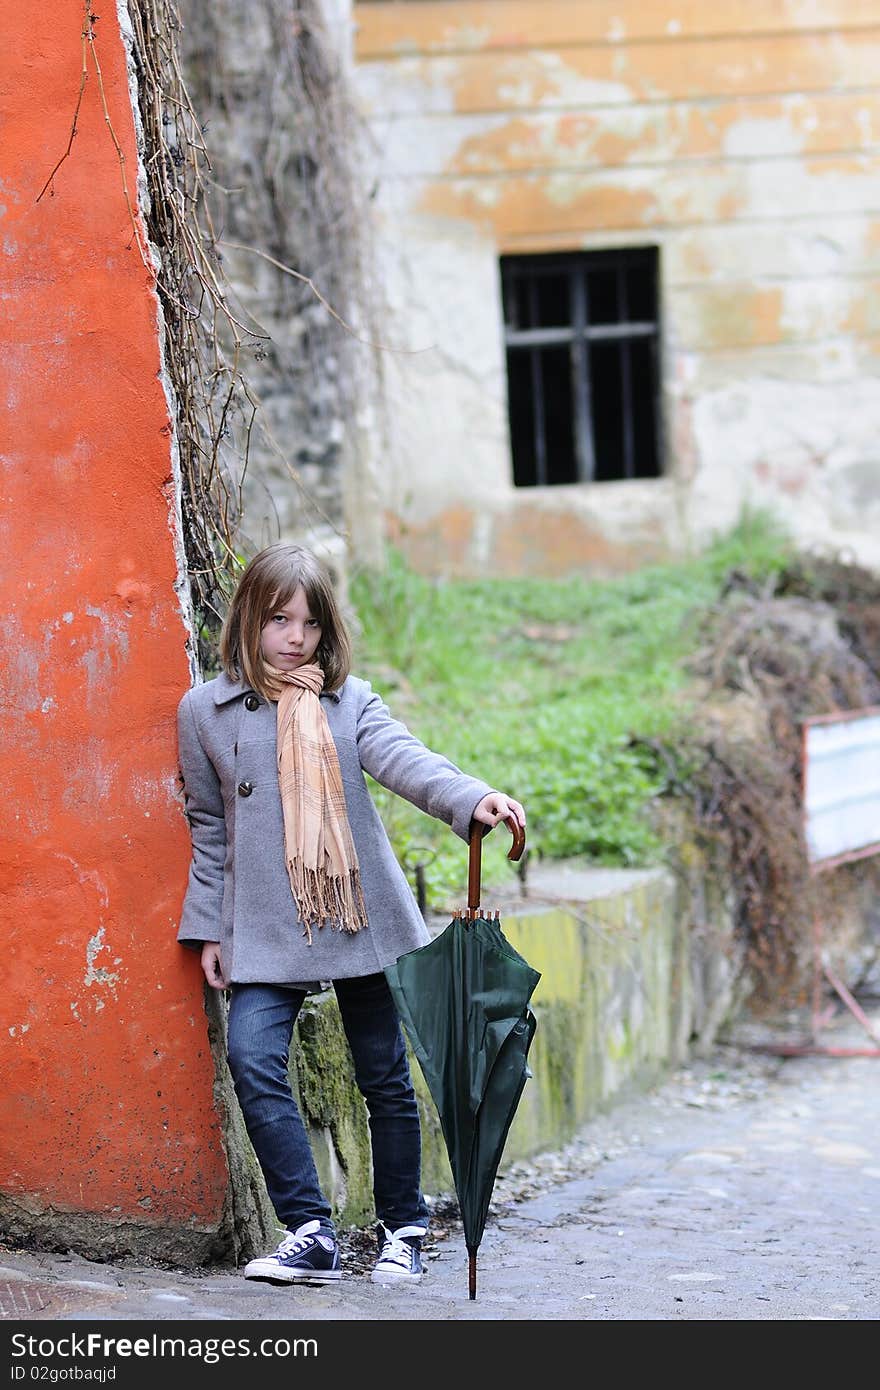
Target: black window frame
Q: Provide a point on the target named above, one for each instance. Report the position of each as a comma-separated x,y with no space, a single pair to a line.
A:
520,274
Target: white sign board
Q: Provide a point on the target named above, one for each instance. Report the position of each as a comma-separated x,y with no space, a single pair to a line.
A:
842,786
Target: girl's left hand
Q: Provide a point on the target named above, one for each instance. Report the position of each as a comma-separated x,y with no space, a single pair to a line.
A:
496,807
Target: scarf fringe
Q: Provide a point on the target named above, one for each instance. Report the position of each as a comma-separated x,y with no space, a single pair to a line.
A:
324,897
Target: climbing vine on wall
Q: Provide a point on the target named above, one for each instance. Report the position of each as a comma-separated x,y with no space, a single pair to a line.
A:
203,339
291,199
286,176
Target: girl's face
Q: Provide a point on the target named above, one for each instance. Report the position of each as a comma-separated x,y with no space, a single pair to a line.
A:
290,638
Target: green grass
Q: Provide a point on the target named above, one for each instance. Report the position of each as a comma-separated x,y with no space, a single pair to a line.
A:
539,686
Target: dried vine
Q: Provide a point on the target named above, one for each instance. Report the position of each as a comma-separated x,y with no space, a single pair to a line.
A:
90,56
214,351
293,219
211,393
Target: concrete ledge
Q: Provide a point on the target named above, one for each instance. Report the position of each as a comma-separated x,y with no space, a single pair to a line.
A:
616,1006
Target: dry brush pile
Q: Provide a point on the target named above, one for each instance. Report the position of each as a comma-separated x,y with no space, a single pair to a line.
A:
805,644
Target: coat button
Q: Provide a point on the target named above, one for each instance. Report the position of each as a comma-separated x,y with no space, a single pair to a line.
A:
251,702
245,788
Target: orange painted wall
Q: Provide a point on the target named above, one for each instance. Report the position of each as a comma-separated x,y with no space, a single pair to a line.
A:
106,1105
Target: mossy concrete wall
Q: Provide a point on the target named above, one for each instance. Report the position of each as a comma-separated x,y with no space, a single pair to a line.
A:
623,996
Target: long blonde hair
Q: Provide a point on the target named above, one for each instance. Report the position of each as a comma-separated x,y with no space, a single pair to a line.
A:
267,583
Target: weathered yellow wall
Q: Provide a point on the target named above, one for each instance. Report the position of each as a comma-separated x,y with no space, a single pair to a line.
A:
740,139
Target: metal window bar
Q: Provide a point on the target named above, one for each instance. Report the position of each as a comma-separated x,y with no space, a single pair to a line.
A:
624,355
539,415
656,405
584,446
600,332
510,319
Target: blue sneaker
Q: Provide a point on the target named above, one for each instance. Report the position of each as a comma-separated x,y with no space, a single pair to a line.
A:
400,1255
308,1255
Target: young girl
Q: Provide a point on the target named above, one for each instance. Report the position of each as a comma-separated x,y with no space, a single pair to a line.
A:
293,880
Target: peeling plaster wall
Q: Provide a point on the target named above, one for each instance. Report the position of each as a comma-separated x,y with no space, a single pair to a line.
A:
110,1134
742,140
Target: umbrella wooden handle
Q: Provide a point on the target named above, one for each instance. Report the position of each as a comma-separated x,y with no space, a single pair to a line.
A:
478,830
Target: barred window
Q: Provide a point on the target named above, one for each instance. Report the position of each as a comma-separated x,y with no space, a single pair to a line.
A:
583,372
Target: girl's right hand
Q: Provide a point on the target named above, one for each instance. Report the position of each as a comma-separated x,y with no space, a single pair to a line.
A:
211,966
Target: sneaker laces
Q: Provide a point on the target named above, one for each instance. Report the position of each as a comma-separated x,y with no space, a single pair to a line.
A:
395,1250
297,1241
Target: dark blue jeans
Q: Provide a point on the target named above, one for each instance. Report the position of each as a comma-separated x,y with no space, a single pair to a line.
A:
261,1019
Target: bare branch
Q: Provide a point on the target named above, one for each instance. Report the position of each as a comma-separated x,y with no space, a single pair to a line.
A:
83,78
288,270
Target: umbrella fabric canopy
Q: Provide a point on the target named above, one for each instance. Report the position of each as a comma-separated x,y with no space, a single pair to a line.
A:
464,1002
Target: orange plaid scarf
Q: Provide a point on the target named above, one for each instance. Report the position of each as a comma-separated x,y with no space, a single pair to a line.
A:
321,857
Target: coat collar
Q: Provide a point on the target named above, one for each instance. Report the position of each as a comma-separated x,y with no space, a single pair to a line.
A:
226,689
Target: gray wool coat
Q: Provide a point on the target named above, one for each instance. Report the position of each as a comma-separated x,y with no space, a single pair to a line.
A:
239,892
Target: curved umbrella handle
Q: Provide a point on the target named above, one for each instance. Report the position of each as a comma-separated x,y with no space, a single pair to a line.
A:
478,830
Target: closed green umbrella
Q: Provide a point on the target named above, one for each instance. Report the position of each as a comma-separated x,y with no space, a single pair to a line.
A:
464,1002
